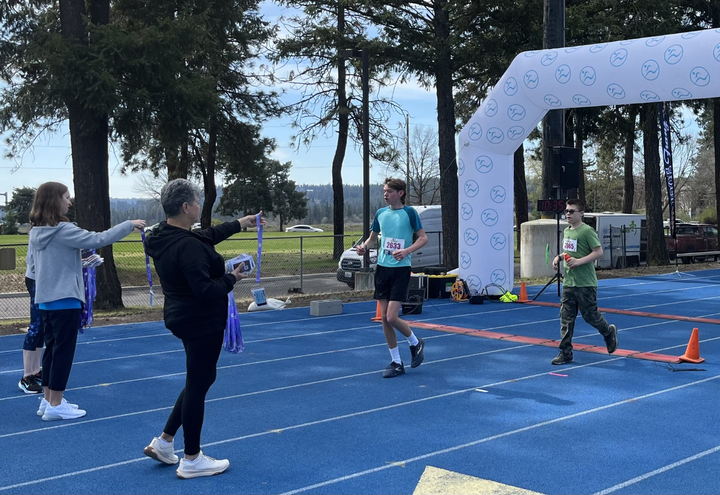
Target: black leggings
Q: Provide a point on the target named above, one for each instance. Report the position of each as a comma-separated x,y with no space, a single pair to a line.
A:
202,356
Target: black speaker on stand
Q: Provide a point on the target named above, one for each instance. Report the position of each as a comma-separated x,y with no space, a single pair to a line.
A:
566,167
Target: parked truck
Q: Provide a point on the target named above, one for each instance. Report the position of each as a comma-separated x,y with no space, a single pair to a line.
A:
430,254
694,241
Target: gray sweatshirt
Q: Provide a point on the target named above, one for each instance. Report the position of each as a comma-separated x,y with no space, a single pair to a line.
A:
58,262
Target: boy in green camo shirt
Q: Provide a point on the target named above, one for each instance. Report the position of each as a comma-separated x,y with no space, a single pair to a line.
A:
581,247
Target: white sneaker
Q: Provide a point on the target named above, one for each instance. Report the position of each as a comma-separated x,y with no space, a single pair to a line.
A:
201,466
161,451
44,404
62,411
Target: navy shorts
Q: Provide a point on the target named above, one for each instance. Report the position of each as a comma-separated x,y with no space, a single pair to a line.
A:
392,284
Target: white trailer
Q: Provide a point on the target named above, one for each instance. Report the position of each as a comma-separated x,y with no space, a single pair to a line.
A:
627,244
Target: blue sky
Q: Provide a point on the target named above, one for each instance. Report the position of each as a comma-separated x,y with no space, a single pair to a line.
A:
50,158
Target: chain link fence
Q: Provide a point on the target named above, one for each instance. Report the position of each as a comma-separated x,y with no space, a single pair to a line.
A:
290,265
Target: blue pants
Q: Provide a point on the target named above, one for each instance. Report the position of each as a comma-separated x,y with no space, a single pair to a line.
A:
35,335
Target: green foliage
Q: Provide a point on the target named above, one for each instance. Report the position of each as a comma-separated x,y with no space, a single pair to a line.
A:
709,215
21,203
10,226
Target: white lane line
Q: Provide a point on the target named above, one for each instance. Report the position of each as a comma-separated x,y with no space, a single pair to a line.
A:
661,470
385,408
455,448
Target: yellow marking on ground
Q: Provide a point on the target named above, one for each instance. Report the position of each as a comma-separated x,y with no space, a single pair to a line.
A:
436,481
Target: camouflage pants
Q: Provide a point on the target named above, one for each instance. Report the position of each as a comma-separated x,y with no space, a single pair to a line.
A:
583,299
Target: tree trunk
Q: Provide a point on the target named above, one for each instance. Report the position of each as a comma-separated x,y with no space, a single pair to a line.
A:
339,157
520,189
553,124
629,185
657,251
209,177
89,143
716,141
446,136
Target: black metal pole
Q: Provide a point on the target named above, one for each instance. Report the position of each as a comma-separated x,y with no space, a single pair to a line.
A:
366,148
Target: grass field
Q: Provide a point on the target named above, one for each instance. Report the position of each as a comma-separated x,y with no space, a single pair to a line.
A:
282,254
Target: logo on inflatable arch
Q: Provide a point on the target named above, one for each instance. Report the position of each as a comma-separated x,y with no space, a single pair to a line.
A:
655,41
598,48
475,131
563,74
650,70
682,94
491,107
588,76
516,112
572,49
465,260
495,135
549,58
552,101
511,86
532,79
673,54
716,52
648,95
581,100
466,211
618,57
498,277
471,189
498,241
616,91
461,168
498,194
474,284
484,164
471,237
489,217
516,132
699,76
689,36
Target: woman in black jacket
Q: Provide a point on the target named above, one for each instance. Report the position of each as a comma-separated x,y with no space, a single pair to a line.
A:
195,286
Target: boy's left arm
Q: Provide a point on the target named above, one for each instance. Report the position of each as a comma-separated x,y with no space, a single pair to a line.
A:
419,242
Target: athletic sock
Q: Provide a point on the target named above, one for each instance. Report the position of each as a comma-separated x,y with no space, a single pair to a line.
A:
395,353
412,339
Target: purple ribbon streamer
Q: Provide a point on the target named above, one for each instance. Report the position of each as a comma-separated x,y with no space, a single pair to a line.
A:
259,255
86,317
233,340
147,264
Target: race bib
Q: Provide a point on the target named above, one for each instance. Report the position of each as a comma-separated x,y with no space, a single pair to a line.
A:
570,245
392,245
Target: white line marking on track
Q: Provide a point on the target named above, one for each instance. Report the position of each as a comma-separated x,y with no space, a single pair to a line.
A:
661,470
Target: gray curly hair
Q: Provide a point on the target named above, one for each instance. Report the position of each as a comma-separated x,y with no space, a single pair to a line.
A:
175,193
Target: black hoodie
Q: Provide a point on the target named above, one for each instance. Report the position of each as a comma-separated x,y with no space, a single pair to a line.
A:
193,278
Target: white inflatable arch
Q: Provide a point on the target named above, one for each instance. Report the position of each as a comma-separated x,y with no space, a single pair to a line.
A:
664,68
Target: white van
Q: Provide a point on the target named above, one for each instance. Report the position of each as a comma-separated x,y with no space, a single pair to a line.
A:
633,239
430,254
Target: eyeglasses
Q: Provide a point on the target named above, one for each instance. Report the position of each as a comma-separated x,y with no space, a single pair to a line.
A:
570,212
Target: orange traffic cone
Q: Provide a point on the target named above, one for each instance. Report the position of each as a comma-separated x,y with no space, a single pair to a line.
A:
692,353
378,313
523,293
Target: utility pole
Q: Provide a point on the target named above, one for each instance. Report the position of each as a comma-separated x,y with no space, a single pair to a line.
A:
407,150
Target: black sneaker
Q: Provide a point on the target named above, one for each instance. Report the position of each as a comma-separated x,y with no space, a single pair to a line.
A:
611,341
418,353
38,377
29,385
563,358
394,369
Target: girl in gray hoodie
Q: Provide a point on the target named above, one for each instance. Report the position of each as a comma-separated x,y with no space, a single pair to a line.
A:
56,244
